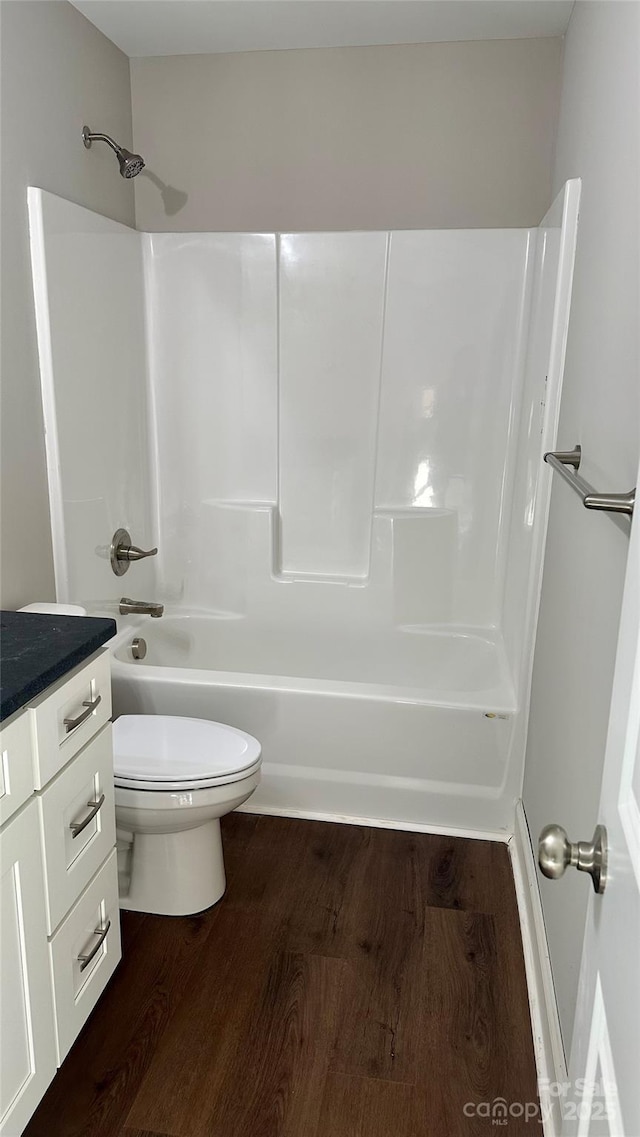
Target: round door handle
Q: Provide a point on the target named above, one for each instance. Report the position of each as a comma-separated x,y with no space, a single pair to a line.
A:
557,853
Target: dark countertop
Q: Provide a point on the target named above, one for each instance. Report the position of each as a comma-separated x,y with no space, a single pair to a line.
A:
36,650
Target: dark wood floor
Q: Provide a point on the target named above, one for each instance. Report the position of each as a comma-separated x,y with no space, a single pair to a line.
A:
352,983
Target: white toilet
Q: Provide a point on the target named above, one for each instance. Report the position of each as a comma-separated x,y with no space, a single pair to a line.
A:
175,778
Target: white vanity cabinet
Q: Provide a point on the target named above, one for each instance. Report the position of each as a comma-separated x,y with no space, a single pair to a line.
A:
59,930
27,1031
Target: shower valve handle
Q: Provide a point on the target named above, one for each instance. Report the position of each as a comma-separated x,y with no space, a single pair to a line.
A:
122,552
133,553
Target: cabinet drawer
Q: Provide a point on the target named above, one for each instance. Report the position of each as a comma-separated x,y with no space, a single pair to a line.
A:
83,697
16,765
77,814
84,953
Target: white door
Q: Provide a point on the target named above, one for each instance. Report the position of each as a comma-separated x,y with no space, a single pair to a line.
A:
604,1066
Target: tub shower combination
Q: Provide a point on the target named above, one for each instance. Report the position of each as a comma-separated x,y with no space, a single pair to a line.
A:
335,441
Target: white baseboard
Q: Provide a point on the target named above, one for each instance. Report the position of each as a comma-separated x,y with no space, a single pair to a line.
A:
375,822
545,1023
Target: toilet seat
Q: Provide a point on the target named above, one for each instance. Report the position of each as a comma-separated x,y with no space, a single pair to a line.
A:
167,753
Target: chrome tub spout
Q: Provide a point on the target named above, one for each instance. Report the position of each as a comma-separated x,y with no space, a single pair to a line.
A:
140,608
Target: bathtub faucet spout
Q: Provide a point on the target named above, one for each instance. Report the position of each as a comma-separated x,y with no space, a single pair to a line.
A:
140,607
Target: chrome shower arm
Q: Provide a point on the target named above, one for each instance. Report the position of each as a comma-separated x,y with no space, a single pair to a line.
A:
94,136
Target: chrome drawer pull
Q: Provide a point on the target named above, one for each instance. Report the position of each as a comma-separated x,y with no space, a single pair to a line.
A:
71,724
85,960
76,827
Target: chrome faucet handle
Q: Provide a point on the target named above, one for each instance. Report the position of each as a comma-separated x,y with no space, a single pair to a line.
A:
133,553
122,552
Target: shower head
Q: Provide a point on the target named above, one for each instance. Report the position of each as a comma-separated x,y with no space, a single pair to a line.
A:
130,164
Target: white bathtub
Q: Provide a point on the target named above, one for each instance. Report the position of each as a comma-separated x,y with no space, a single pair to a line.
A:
403,727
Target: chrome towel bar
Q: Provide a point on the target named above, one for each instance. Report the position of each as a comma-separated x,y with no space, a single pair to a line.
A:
567,464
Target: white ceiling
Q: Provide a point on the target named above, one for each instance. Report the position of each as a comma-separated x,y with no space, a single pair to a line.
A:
187,27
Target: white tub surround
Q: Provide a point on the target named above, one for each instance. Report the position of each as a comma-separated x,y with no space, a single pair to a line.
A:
338,451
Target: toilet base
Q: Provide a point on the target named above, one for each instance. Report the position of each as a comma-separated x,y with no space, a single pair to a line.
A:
176,874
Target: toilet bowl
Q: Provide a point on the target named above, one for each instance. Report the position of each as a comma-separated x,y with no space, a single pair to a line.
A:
174,779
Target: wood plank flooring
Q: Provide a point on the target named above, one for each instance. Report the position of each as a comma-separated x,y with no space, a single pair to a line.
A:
352,982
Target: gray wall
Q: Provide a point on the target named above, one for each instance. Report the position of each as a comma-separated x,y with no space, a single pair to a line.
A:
586,554
58,72
418,136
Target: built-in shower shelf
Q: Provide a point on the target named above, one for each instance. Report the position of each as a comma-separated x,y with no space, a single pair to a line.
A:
416,512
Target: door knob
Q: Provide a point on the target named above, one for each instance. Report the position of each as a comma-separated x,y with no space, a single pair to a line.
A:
122,552
556,853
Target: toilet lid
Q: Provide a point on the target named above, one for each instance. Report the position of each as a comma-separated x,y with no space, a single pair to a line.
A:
168,751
